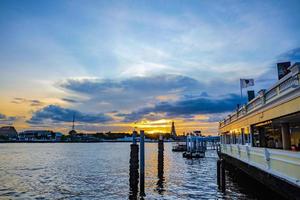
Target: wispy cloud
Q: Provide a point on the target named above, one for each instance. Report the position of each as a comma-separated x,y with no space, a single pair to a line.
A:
31,102
69,100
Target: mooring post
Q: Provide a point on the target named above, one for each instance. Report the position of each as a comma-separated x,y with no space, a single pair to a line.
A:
142,163
160,165
134,133
160,149
218,173
134,170
223,178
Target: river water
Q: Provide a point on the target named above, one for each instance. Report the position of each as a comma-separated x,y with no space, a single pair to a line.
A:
101,171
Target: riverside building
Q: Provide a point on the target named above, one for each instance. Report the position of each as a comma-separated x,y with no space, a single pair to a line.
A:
8,133
39,135
262,138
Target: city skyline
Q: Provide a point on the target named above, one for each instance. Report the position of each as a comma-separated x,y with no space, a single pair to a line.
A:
119,65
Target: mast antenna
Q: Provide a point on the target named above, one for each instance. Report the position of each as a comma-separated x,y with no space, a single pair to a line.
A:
73,126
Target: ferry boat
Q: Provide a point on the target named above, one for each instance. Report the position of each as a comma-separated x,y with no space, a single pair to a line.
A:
262,138
195,147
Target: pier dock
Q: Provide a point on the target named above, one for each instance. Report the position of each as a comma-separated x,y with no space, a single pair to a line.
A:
262,138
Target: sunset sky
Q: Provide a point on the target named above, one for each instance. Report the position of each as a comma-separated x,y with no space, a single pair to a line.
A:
121,64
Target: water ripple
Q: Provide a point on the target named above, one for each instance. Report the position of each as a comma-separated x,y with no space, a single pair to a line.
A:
101,171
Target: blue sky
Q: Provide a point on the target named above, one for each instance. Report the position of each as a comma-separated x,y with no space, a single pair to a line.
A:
122,60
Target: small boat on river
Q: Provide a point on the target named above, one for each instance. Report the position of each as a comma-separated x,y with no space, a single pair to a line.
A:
179,147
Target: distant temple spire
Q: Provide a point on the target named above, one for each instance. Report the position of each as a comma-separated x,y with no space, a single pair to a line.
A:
173,131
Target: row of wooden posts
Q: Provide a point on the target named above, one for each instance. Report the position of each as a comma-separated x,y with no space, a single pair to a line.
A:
137,166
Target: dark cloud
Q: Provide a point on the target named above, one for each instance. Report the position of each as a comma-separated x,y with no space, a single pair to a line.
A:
151,83
31,102
292,55
6,119
69,100
217,117
57,114
187,107
134,92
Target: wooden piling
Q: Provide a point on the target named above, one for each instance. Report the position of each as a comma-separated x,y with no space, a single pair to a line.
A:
142,163
160,165
218,174
134,134
134,171
223,177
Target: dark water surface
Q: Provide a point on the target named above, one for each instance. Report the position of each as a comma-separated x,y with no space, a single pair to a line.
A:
101,171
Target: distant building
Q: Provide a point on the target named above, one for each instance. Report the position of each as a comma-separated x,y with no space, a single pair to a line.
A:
8,132
58,136
84,137
173,131
39,135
